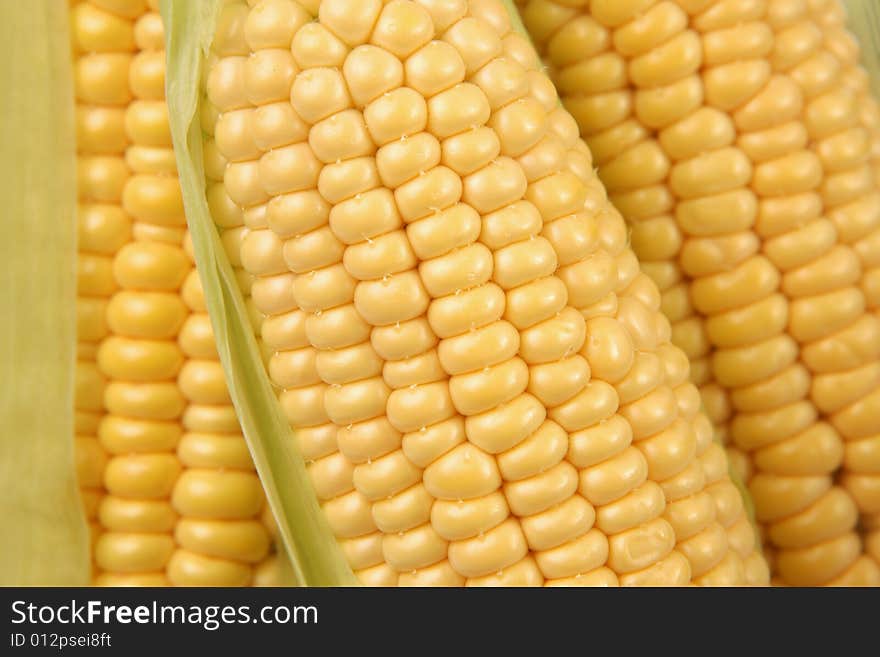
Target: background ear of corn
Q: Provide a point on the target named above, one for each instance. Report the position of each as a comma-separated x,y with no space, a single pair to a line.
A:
46,537
731,135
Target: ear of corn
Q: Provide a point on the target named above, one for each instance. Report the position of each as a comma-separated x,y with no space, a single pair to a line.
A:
183,504
102,48
733,138
476,371
45,542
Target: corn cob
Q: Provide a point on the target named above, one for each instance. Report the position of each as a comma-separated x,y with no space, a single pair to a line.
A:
860,460
476,369
103,44
138,356
727,139
184,504
103,228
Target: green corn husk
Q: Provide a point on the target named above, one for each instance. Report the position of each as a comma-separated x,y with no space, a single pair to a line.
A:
314,555
45,542
864,21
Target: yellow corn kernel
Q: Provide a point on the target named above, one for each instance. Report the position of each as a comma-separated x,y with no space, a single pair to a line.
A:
133,552
187,568
241,541
198,493
102,78
119,514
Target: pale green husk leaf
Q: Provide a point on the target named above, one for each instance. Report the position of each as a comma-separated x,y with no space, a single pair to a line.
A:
864,21
45,536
